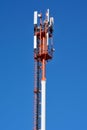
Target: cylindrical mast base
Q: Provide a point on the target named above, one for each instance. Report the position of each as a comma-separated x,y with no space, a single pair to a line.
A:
43,104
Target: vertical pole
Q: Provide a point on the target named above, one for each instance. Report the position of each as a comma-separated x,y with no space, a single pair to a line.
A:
43,97
43,105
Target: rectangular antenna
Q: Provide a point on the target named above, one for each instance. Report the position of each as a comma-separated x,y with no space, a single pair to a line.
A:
47,15
35,41
51,21
35,17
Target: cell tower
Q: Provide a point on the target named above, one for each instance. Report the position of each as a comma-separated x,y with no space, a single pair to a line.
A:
43,52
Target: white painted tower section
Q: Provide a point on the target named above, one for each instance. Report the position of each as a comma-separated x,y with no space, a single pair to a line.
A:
43,104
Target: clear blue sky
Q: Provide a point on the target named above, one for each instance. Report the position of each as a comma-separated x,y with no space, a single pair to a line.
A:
66,74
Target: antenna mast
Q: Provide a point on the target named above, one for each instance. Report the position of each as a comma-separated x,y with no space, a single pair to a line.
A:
43,52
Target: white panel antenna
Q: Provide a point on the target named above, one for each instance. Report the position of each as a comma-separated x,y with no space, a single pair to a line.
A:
51,21
35,41
47,14
35,17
